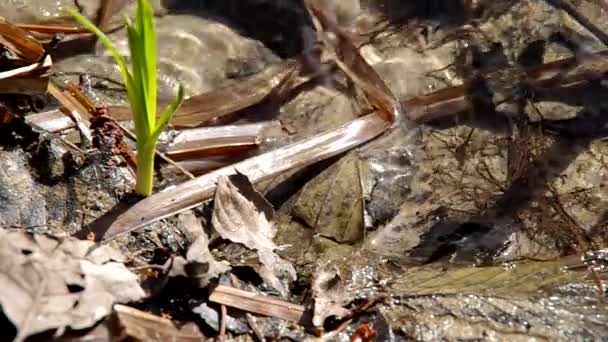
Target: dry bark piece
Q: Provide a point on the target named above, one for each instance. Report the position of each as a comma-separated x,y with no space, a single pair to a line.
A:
52,121
242,215
143,326
48,283
20,42
259,304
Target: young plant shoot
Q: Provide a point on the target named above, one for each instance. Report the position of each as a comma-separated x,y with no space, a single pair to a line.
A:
140,83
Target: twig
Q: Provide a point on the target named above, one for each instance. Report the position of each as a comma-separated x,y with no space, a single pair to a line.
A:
31,79
254,326
74,109
222,335
358,311
250,319
105,13
581,19
259,168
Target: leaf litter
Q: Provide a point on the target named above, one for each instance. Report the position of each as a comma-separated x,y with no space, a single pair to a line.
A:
199,264
242,215
51,283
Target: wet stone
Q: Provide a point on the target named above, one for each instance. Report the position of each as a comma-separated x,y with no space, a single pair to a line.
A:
22,205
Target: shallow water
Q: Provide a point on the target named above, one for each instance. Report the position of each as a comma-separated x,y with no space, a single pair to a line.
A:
411,212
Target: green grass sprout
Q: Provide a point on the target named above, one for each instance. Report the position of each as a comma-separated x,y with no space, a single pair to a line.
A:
140,83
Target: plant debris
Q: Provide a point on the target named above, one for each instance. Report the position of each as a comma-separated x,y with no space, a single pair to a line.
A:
243,216
366,171
329,297
199,264
52,283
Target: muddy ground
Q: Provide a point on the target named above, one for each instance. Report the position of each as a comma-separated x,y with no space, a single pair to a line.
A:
468,225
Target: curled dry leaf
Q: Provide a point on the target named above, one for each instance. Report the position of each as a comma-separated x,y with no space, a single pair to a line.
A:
242,215
49,283
199,263
329,297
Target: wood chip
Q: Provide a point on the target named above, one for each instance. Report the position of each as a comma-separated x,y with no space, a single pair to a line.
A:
259,304
143,326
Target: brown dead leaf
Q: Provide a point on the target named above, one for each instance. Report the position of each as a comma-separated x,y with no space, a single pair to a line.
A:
332,203
48,283
199,263
243,216
329,297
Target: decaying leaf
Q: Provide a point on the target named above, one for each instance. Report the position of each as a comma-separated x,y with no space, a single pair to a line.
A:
329,297
243,216
143,326
332,203
199,263
48,283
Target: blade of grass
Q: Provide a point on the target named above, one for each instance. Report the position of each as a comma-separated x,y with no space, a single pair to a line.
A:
165,116
82,20
143,126
148,42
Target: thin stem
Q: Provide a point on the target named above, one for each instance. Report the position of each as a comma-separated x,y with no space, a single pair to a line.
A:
145,168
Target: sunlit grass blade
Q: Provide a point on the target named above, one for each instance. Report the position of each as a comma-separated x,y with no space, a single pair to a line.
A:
141,86
165,116
107,43
145,27
143,124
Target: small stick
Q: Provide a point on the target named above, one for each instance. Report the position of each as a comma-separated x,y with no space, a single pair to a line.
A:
105,13
581,19
74,108
222,335
254,326
250,319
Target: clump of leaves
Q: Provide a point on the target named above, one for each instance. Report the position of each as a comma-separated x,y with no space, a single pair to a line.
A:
140,83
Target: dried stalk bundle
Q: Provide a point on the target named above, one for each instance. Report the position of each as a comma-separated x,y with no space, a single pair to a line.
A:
20,42
32,79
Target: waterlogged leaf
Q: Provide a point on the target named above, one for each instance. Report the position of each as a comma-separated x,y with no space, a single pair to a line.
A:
243,216
199,263
332,203
48,283
329,297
